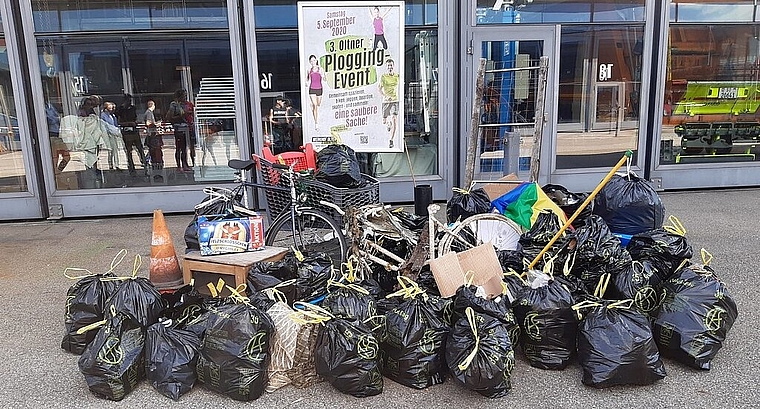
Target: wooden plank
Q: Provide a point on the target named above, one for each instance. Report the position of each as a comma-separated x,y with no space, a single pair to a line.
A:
247,258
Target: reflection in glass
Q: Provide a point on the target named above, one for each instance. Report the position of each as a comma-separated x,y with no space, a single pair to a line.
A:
711,102
558,11
158,139
599,95
697,11
284,13
12,170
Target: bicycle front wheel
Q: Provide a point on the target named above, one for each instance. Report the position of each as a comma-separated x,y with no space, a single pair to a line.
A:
315,232
477,229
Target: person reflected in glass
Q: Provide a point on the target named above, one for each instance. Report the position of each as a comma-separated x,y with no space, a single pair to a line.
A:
388,86
176,116
112,132
89,137
378,27
127,115
192,139
57,146
278,117
154,141
314,78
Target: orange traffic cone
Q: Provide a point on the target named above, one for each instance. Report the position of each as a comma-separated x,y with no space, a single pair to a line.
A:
165,273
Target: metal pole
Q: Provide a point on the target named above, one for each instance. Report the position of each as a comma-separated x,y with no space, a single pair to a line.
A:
538,129
472,143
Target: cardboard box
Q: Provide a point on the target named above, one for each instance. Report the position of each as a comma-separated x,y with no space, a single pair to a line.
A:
230,235
507,183
451,269
232,269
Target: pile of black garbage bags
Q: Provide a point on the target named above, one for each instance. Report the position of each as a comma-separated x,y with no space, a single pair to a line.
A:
613,308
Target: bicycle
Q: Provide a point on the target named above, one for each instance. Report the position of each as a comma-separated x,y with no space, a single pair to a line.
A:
306,228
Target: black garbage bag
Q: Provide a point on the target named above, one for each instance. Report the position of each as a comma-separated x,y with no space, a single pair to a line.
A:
616,346
548,325
542,231
595,251
512,260
479,354
666,248
199,322
85,304
262,282
412,350
182,305
114,362
569,202
338,166
140,299
498,307
235,351
284,269
640,283
346,355
464,204
426,280
314,271
171,355
408,220
349,301
695,316
629,205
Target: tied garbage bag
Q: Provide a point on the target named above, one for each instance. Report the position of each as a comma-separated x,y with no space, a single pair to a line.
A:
235,351
695,316
616,346
346,355
283,345
256,280
569,202
414,336
542,231
499,307
85,303
512,260
314,271
349,301
548,326
465,203
479,354
139,298
665,248
171,355
629,205
338,166
182,305
595,251
639,283
199,322
113,363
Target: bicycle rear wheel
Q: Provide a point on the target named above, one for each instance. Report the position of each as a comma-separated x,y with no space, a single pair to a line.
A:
475,230
315,232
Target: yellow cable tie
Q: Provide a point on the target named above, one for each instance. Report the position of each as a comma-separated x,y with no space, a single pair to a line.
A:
114,263
470,313
92,326
66,273
706,256
624,304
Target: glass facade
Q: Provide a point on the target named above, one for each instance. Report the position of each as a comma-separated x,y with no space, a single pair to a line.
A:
12,169
711,94
116,113
280,76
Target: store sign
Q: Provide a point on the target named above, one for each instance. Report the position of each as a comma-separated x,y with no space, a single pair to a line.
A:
605,72
352,82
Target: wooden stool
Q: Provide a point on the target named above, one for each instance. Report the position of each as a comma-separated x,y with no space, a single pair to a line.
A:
207,271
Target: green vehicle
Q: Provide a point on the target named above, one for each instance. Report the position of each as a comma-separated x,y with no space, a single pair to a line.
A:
717,116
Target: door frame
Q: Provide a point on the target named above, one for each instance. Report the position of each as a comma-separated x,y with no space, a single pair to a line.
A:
550,36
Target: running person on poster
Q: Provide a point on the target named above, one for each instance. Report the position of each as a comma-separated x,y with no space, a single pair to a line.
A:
388,86
314,80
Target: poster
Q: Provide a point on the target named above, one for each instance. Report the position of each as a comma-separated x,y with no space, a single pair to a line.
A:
352,81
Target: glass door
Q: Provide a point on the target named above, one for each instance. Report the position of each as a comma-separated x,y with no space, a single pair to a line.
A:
509,107
608,109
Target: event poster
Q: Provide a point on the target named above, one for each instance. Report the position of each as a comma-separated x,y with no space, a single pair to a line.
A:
352,81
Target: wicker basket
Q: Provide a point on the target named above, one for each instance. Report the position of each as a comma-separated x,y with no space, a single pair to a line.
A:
316,191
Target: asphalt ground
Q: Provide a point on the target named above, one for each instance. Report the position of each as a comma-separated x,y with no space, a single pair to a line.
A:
35,372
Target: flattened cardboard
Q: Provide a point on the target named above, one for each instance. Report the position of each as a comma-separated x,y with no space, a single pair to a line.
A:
450,269
496,190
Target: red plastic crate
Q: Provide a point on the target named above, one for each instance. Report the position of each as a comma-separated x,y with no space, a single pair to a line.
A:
307,159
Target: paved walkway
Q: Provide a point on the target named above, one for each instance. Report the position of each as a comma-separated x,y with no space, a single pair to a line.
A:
35,372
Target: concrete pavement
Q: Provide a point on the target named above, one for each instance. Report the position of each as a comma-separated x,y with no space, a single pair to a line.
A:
35,372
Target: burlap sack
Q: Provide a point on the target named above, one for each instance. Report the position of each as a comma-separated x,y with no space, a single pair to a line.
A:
283,345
